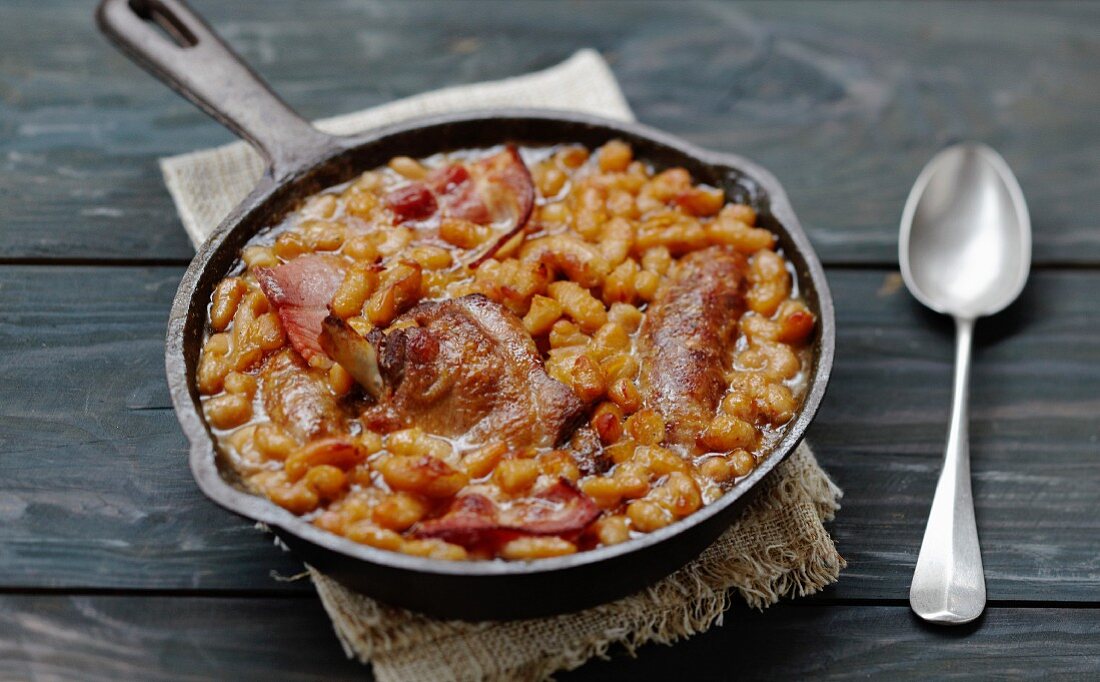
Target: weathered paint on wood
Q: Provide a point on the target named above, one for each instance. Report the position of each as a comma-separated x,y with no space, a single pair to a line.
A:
99,638
94,484
1033,432
844,102
114,566
105,639
95,491
857,642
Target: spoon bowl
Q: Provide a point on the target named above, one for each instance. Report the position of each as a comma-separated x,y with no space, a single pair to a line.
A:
965,247
965,251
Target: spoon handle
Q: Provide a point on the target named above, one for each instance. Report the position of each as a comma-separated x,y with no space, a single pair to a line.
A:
948,583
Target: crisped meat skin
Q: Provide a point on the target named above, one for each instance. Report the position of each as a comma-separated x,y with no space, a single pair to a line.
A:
686,339
354,353
298,399
470,368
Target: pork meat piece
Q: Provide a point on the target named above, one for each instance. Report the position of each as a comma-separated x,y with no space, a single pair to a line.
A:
467,367
297,398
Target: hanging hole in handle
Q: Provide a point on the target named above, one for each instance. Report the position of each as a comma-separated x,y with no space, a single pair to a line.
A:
169,24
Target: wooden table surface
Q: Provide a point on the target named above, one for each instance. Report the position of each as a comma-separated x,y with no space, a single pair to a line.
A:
114,566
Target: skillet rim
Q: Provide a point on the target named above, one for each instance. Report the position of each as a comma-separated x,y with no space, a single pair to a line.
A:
203,450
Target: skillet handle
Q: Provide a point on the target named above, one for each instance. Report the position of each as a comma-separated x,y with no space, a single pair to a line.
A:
169,40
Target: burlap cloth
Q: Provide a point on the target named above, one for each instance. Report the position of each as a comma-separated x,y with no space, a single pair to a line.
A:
778,547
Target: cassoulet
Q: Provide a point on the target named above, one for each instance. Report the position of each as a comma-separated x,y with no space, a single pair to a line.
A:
505,353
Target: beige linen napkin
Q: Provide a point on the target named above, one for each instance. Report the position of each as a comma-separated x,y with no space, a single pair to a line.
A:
778,548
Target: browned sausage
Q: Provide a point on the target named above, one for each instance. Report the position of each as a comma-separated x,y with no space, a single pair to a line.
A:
687,338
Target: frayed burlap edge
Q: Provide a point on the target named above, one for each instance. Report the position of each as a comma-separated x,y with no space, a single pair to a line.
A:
778,548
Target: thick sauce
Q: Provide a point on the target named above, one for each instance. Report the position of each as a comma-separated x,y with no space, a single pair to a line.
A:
540,351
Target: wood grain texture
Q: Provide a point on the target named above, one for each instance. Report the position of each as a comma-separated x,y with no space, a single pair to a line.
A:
95,638
114,566
863,642
94,484
105,639
1033,434
95,491
844,102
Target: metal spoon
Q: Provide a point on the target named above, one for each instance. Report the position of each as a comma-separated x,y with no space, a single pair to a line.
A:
965,251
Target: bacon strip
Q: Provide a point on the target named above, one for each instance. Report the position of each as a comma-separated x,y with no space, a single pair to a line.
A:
412,202
509,192
300,291
686,339
475,521
458,194
497,190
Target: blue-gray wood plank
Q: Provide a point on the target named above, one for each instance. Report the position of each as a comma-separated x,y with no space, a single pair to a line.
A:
106,639
95,490
844,102
112,564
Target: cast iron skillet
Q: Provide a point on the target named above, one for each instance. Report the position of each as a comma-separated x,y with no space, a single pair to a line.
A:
190,58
